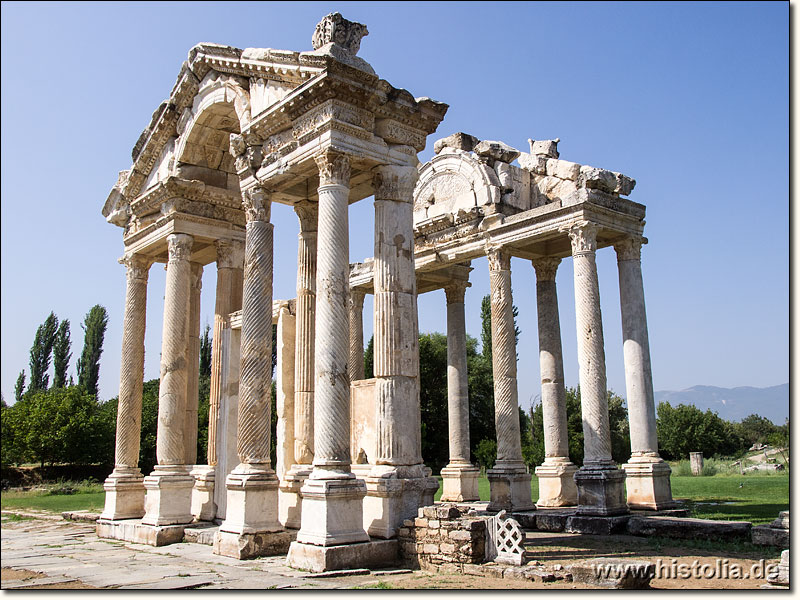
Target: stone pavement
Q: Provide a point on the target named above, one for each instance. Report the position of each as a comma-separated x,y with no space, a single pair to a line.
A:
67,551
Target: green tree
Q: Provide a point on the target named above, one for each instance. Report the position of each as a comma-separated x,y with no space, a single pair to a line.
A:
486,326
685,428
61,354
19,387
755,429
41,352
486,453
205,352
369,359
481,398
433,400
11,450
88,366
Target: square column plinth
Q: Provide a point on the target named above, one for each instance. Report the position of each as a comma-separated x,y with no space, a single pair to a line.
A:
203,506
332,512
648,484
391,501
124,496
510,489
290,500
169,496
556,484
601,490
460,483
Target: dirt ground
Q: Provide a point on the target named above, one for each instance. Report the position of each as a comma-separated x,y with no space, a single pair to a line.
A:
24,575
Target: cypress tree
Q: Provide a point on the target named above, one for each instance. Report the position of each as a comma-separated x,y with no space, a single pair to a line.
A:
205,353
41,351
61,354
88,365
19,388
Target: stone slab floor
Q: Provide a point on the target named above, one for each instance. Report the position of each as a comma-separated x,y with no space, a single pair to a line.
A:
41,554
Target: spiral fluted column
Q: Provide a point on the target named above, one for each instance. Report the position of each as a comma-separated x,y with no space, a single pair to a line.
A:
124,487
648,484
600,483
460,476
509,480
556,483
356,362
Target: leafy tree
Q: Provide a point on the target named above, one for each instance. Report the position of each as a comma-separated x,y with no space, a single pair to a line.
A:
202,416
685,428
486,453
88,366
19,387
11,451
40,354
205,353
369,359
481,398
755,429
61,354
433,400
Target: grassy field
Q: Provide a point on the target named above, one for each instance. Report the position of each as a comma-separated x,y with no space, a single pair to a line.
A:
56,497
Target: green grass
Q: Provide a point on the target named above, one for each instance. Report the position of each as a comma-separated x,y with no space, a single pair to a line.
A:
57,497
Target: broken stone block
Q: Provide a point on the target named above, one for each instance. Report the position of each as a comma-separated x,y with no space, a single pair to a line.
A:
625,184
563,169
596,525
496,151
548,148
459,141
533,163
598,179
689,528
781,576
613,573
773,534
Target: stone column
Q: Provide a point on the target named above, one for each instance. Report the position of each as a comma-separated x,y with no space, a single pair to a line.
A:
332,496
647,474
460,476
356,363
509,481
169,487
193,364
288,499
601,485
556,483
252,500
292,483
124,487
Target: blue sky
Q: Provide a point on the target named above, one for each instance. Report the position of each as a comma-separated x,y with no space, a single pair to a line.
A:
690,99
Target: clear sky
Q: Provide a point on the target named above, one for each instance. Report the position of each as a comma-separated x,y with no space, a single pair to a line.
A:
690,99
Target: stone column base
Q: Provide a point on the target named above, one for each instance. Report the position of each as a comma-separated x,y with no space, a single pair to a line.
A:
460,483
289,498
648,484
203,506
124,495
365,555
244,546
252,501
601,490
332,512
556,484
169,496
390,501
509,489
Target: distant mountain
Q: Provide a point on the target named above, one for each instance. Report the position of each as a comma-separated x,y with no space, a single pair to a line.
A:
734,404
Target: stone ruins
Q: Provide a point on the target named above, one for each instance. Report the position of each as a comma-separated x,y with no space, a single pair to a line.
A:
319,130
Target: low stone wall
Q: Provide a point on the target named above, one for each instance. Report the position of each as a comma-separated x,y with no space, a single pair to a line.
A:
441,535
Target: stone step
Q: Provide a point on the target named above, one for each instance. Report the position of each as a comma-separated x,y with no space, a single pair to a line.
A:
684,528
200,534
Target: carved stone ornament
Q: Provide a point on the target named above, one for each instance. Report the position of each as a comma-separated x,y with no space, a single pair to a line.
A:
455,291
179,246
498,260
237,145
629,248
197,277
230,254
395,183
308,215
357,299
138,266
583,236
335,29
256,203
334,168
546,268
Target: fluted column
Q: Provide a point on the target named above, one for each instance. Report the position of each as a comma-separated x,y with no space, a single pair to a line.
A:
169,486
331,508
460,476
356,362
252,499
124,487
600,483
556,483
193,364
509,480
307,214
648,484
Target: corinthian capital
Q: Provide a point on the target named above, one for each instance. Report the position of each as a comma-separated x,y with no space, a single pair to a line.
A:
308,214
498,259
546,268
583,236
179,246
137,266
629,248
455,291
257,204
394,183
196,281
230,254
334,168
357,299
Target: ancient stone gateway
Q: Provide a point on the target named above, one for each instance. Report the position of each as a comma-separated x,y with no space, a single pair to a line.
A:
319,130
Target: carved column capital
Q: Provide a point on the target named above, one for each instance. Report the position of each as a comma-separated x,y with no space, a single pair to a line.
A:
455,291
230,254
257,204
629,248
583,236
308,214
196,281
334,168
137,266
357,299
546,268
179,246
393,182
499,260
